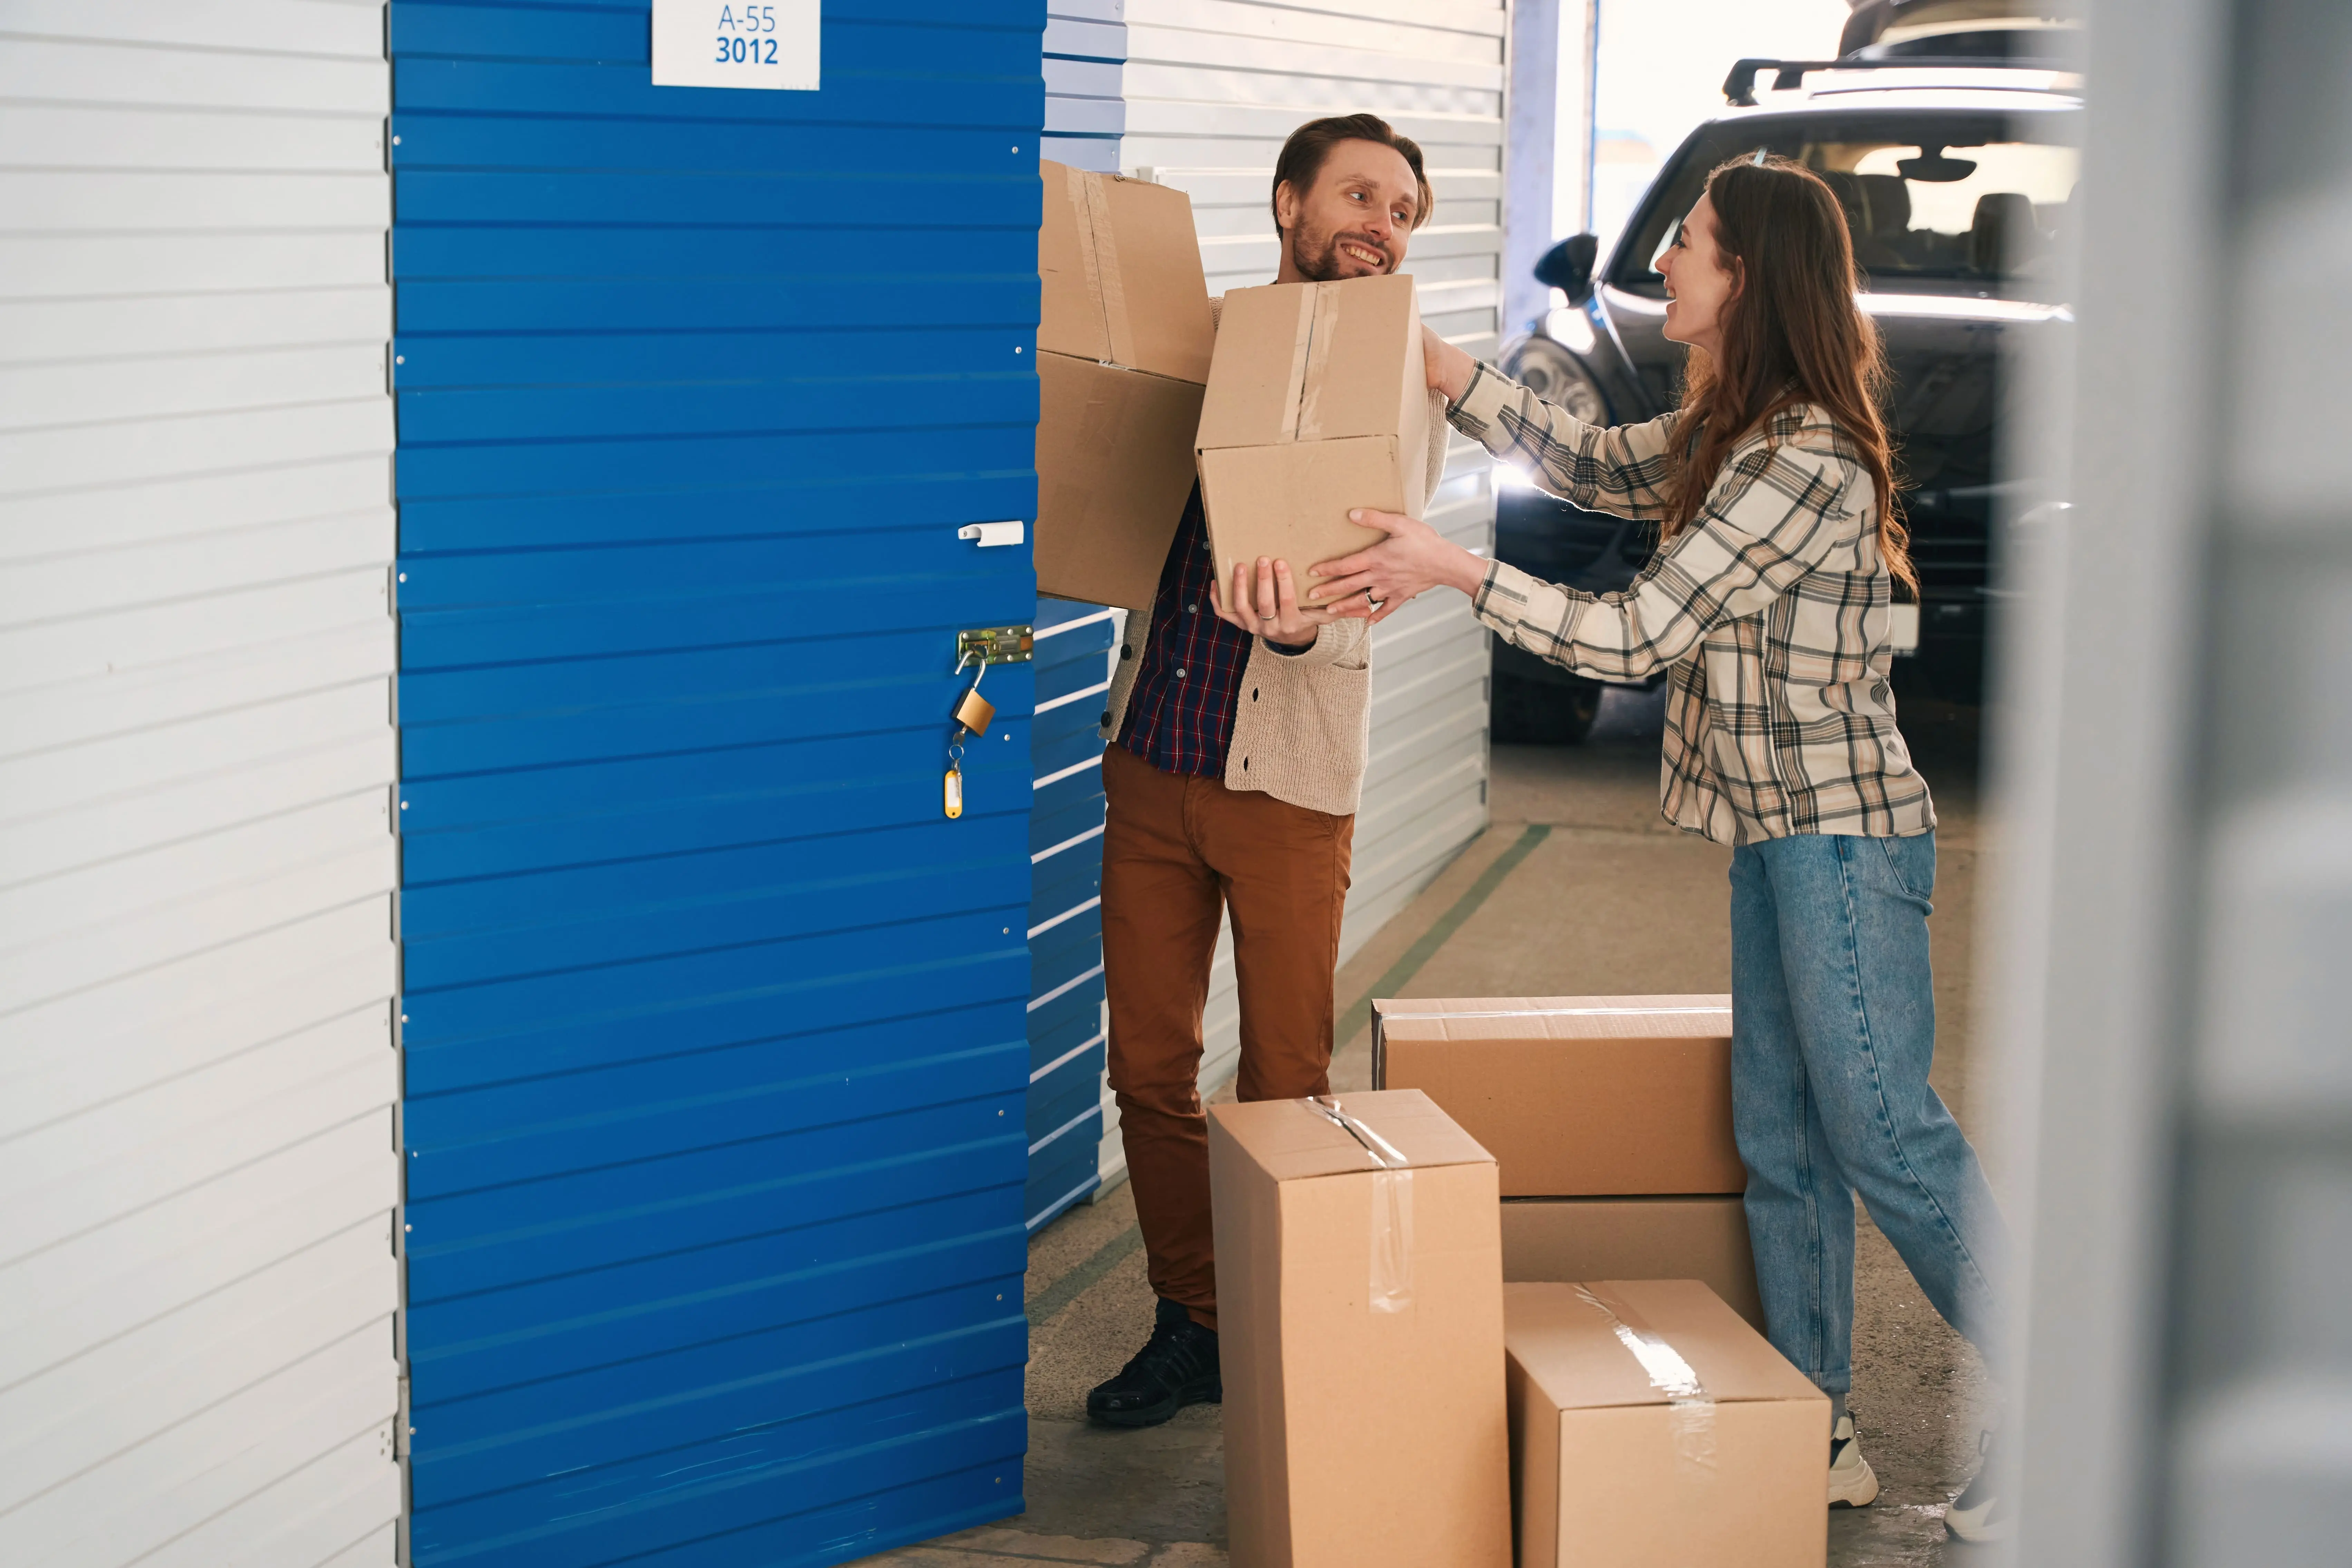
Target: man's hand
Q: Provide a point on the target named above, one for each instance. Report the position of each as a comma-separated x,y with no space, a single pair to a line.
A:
1413,558
1450,369
1269,608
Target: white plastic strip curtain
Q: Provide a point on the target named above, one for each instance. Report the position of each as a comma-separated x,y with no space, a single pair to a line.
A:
1212,86
198,1276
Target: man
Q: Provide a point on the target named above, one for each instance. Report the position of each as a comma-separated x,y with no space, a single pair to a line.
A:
1237,744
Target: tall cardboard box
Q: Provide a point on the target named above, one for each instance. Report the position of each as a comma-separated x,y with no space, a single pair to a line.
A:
1576,1096
1359,1307
1702,1238
1318,404
1124,337
1651,1428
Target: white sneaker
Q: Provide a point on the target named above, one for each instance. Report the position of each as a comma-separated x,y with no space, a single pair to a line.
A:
1978,1514
1853,1483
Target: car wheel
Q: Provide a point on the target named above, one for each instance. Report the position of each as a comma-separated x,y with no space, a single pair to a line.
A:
1539,713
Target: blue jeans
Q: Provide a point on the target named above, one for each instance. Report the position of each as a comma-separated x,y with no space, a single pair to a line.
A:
1833,1029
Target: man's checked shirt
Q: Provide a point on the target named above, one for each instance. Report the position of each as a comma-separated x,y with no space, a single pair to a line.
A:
1181,716
1770,611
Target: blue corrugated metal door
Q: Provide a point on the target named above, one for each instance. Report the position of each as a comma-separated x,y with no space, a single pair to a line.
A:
714,1027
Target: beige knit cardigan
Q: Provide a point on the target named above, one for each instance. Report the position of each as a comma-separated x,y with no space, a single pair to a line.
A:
1304,726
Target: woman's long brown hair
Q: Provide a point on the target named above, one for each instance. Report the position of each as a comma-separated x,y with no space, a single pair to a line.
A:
1791,333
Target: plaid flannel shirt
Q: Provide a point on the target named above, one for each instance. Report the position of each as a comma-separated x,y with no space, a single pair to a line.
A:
1179,718
1770,613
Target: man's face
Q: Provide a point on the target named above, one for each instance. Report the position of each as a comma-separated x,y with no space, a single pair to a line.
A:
1355,219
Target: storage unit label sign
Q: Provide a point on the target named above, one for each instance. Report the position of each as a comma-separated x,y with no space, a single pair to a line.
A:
729,43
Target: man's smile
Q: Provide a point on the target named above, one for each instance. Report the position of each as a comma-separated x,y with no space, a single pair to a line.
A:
1355,251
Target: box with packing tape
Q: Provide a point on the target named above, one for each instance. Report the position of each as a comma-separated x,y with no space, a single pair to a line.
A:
1124,337
1576,1096
1359,1311
1651,1428
1610,1117
1318,404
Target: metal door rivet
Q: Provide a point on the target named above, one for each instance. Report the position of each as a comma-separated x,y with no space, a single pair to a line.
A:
403,806
395,141
400,359
407,1227
403,576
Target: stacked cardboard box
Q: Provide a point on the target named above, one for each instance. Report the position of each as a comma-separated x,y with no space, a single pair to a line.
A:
1609,1119
1124,338
1360,1305
1318,404
1651,1428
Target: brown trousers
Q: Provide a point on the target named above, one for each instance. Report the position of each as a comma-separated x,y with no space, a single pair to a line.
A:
1176,851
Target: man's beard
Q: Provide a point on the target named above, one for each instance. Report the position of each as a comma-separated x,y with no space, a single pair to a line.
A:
1321,264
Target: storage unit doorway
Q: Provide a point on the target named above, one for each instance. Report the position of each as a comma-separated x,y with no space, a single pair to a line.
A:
1212,88
715,1025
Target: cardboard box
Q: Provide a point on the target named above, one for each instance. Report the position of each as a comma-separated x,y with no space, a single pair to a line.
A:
1635,1238
1359,1302
1651,1428
1124,338
1577,1095
1318,403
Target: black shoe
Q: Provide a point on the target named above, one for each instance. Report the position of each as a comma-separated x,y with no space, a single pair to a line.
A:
1176,1367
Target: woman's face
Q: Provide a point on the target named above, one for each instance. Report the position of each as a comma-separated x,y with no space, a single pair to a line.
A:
1698,285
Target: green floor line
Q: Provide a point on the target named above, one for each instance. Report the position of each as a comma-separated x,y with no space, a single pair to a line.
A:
1359,1016
1078,1280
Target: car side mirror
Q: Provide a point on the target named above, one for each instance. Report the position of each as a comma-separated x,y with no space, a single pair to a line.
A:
1568,265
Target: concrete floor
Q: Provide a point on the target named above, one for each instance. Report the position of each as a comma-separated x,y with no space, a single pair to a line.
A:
1607,898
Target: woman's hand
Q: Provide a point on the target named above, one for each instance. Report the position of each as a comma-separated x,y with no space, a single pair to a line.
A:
1269,608
1450,369
1413,558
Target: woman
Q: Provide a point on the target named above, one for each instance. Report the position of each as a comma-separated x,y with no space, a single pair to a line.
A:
1767,602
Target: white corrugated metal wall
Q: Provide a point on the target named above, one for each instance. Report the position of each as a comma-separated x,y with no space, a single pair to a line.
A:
198,860
1212,86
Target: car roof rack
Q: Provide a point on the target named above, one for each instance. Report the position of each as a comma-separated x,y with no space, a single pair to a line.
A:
1739,87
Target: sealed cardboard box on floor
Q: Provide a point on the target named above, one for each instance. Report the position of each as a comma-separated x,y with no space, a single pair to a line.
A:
1124,337
1702,1238
1360,1312
1318,404
1576,1096
1651,1428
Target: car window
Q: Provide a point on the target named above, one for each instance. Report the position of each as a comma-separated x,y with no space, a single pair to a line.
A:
1965,199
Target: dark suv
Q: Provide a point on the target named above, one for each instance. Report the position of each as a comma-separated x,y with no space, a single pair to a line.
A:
1958,179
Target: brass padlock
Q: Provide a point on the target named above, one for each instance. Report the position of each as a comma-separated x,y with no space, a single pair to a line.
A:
974,711
971,709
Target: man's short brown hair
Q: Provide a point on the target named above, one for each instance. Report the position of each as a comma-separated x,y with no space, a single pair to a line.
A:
1310,145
